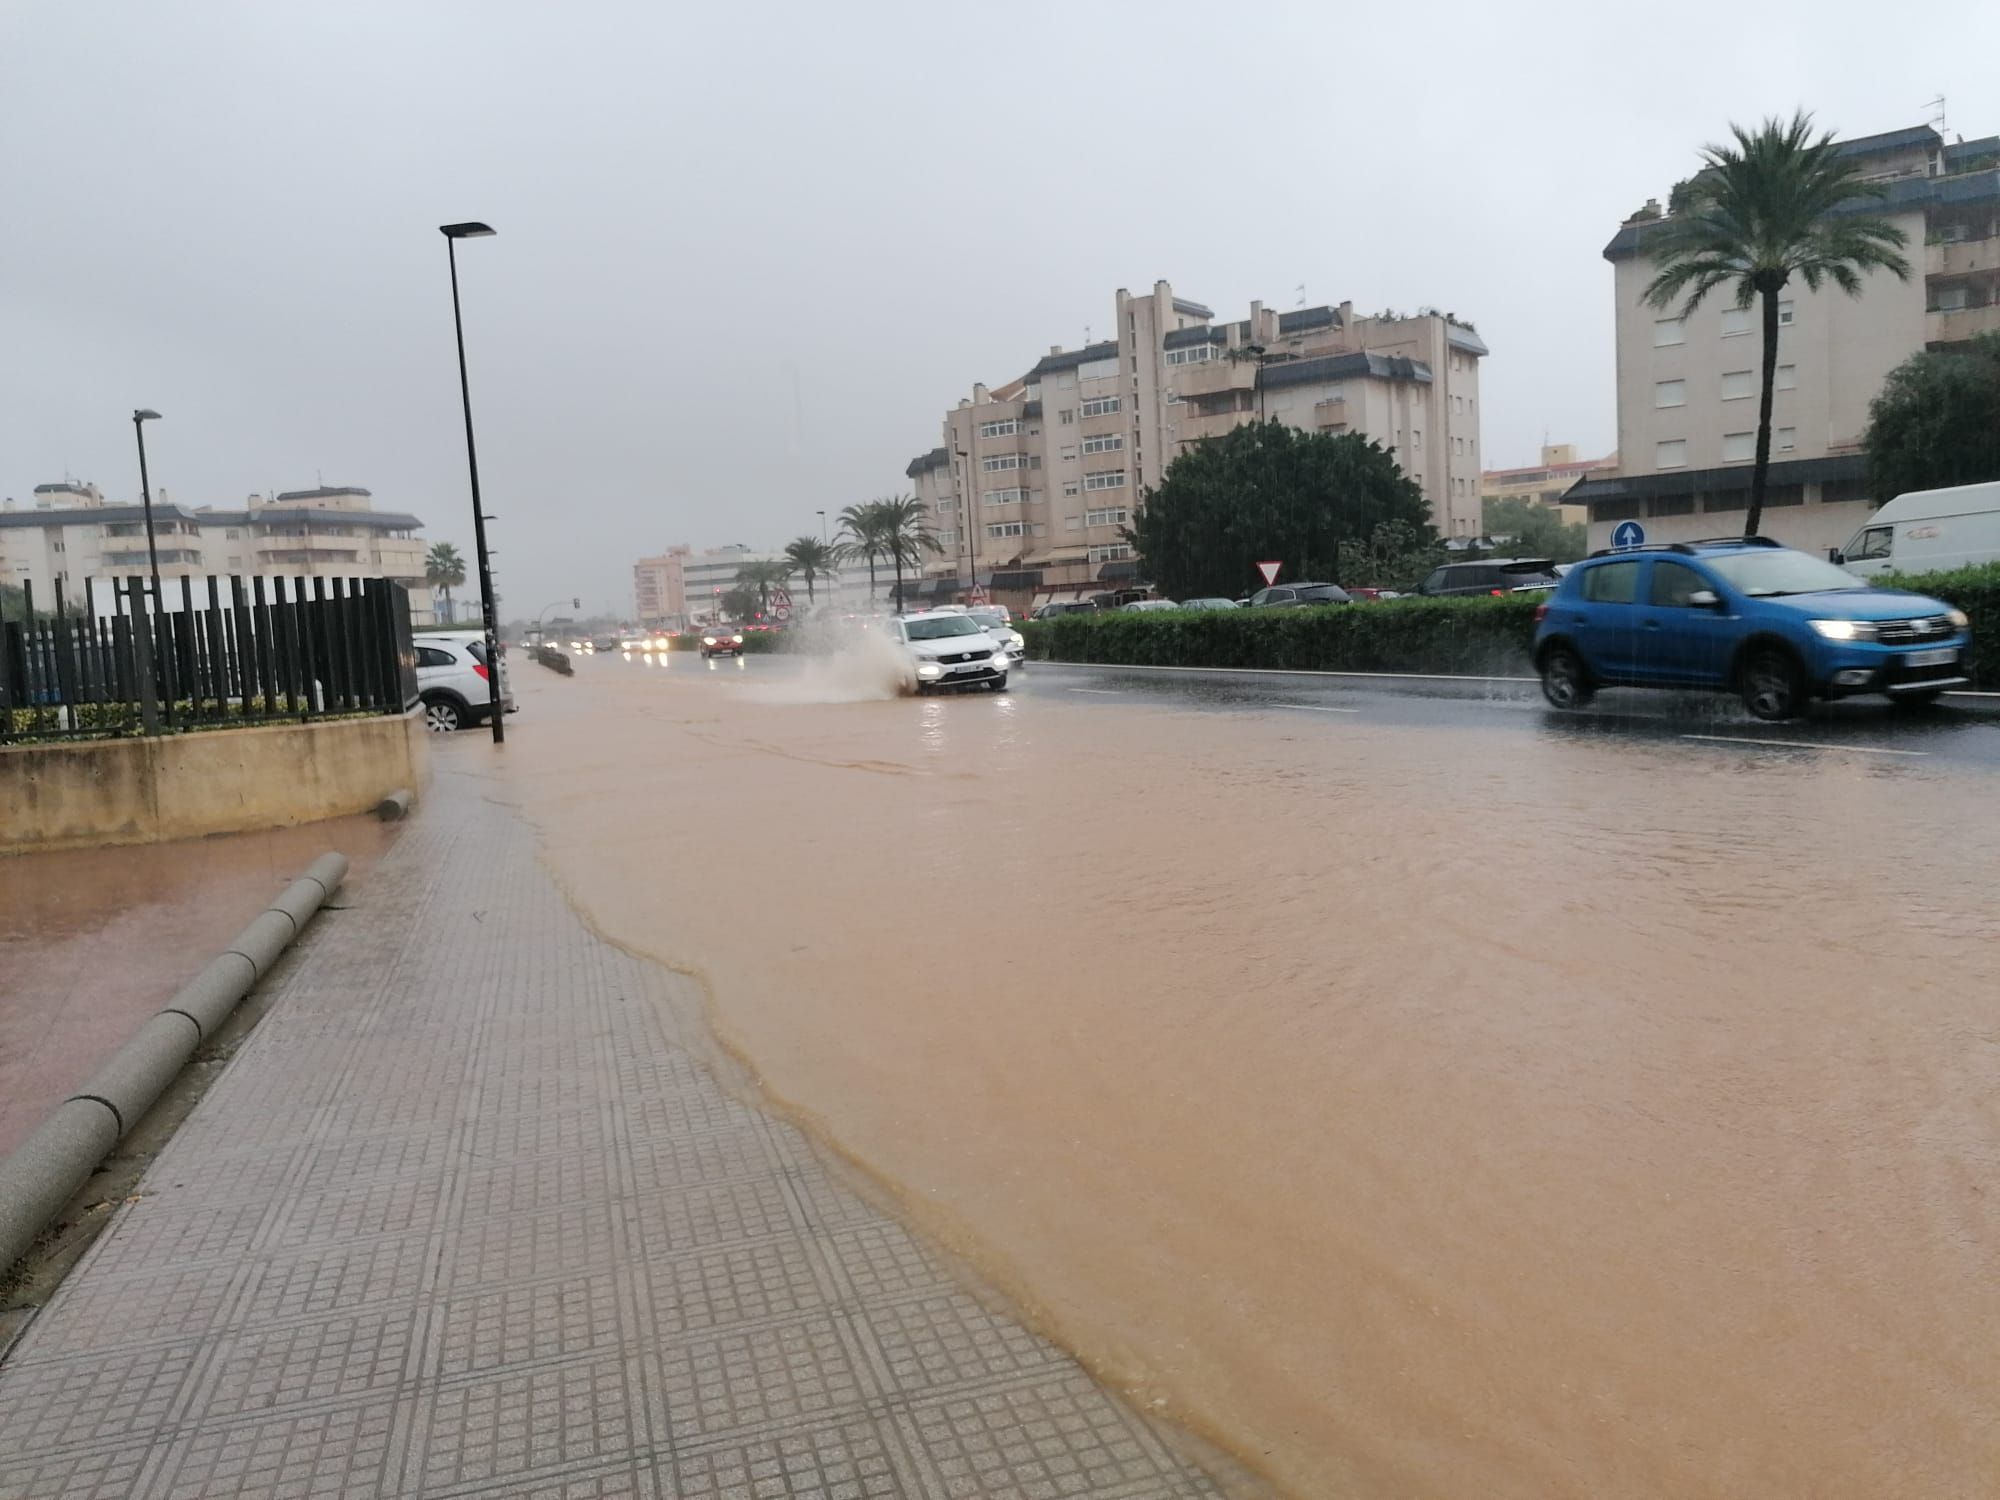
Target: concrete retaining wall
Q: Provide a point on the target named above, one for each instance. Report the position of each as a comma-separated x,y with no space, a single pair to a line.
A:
142,791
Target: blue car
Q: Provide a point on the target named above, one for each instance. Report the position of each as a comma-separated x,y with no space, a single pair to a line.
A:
1743,615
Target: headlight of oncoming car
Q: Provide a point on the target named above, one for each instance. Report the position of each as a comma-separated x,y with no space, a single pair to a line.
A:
1959,618
1847,630
708,640
736,640
929,669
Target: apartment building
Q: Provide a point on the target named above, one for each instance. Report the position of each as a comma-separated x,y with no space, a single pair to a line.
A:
71,532
1688,388
1036,480
682,587
1548,482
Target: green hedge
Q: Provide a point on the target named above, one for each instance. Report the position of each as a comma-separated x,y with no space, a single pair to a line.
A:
1481,637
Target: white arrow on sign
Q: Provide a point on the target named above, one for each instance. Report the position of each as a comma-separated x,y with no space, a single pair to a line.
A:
1270,572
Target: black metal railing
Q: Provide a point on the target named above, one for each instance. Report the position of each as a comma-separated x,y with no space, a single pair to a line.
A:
228,651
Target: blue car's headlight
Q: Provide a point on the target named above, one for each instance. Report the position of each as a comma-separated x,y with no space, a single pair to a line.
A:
1959,618
1846,630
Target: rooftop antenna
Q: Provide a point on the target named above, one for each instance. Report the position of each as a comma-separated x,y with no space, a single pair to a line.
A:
1302,294
1937,119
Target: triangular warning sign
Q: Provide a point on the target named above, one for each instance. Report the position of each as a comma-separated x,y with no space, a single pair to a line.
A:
1270,572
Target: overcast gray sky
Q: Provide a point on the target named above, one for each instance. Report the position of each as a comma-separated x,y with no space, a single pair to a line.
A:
749,253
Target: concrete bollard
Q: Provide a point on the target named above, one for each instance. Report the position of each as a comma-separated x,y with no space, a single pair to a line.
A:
45,1170
395,807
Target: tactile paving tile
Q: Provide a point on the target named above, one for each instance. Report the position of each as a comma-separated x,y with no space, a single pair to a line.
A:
947,1339
712,1156
882,1260
301,1364
512,1424
94,1400
91,1474
90,1313
368,1209
526,1184
336,1453
526,1321
1062,1437
713,1214
784,1374
154,1232
557,1240
308,1283
845,1461
741,1283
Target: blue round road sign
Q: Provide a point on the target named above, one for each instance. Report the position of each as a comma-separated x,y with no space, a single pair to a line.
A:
1628,534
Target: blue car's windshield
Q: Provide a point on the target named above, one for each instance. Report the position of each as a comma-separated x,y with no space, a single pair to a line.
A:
1763,575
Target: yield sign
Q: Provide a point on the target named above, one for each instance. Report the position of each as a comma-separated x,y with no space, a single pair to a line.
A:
1270,572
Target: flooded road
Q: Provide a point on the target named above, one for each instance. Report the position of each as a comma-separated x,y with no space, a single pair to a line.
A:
1420,1102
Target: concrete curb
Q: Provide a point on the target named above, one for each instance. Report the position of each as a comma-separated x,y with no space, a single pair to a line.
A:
46,1169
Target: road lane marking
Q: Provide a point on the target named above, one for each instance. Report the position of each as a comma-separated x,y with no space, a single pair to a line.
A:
1107,692
1744,739
1316,708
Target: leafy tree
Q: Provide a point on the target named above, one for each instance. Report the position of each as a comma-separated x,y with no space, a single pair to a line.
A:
1538,530
444,570
1936,421
1395,555
761,576
863,535
1775,205
740,603
812,557
1268,492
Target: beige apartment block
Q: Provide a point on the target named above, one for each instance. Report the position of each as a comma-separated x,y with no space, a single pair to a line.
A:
1036,480
72,533
1547,482
1688,389
682,587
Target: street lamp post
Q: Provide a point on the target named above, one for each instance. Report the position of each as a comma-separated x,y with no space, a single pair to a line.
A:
139,420
453,233
824,534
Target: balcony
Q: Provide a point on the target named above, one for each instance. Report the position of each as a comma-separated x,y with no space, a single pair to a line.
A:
1192,425
1214,378
1330,415
1960,257
1959,324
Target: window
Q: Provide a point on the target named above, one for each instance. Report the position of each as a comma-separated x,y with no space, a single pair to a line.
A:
947,537
999,429
1674,584
1668,332
229,535
1612,583
1110,552
946,506
1738,447
1006,528
1788,377
1738,384
1670,393
1102,406
1069,487
1110,442
1670,505
1784,315
430,656
1672,454
1000,461
1098,369
1416,437
1106,516
1875,541
1072,523
1106,479
1458,445
1458,403
1005,497
1068,415
1736,320
1785,439
1200,354
1951,299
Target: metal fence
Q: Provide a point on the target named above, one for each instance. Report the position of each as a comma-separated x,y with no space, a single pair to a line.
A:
235,651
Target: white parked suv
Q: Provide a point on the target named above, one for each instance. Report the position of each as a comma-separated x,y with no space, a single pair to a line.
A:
950,651
451,679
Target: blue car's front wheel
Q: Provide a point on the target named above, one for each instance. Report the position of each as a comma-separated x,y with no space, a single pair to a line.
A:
1774,687
1565,682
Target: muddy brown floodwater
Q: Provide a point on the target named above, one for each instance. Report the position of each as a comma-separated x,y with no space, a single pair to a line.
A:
1418,1112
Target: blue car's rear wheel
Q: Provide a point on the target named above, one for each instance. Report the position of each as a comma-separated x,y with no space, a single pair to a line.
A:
1565,682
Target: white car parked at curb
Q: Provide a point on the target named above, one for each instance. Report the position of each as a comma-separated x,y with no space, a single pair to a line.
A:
451,679
950,651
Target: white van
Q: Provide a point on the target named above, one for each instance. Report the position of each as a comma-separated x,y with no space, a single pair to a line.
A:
1928,531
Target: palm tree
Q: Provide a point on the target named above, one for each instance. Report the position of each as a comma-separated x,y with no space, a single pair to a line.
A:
906,534
862,535
763,575
444,570
812,557
1775,205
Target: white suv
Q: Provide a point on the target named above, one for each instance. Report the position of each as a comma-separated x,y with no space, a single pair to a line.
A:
950,651
451,679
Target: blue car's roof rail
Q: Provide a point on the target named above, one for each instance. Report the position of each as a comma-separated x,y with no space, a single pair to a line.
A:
1689,549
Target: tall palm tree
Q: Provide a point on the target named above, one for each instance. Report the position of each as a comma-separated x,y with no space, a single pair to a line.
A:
862,535
763,575
444,570
812,557
907,534
1775,205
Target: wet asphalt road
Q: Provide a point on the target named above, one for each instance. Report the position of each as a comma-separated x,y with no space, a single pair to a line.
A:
1963,730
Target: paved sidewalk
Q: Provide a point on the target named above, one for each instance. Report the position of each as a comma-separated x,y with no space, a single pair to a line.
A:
461,1219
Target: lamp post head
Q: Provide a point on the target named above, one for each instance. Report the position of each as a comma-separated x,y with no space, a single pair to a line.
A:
145,414
469,231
